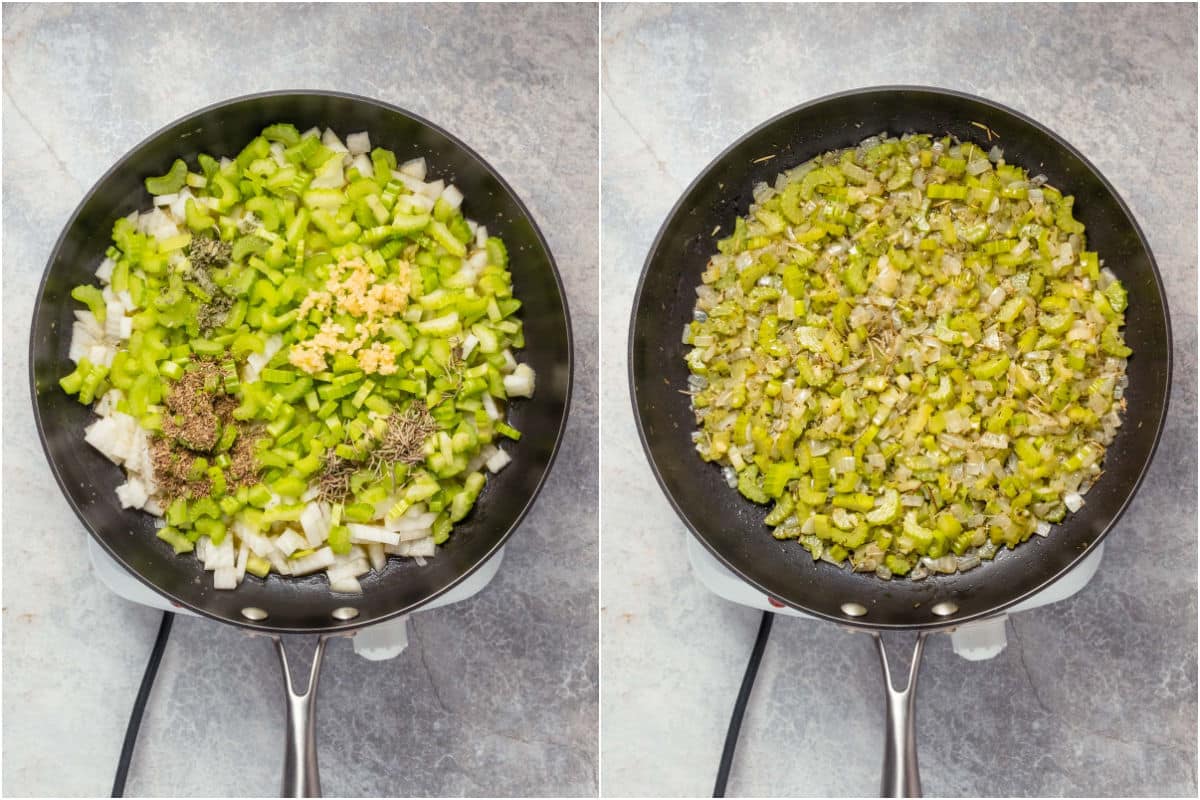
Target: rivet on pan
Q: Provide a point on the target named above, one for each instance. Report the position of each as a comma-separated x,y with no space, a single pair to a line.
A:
944,608
345,613
252,613
853,609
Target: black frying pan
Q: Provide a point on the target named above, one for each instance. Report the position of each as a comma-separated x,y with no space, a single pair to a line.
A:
280,605
732,527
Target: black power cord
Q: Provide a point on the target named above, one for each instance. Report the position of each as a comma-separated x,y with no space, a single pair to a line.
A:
743,699
139,705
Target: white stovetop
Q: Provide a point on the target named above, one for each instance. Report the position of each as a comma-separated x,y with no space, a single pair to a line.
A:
974,641
376,642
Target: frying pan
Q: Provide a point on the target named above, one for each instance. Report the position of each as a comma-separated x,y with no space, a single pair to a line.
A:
281,605
732,527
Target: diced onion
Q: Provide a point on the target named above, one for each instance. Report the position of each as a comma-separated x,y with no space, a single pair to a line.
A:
358,143
363,534
225,578
452,196
520,383
321,559
331,140
364,166
289,542
414,168
348,568
498,461
346,586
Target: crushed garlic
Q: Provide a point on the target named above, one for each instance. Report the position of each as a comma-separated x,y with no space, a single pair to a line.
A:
352,289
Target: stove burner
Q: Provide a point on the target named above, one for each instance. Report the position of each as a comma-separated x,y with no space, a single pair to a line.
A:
974,641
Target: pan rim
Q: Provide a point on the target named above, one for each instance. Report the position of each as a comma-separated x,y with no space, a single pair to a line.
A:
678,207
266,627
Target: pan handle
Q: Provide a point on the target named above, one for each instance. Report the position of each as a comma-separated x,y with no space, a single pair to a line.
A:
301,777
901,776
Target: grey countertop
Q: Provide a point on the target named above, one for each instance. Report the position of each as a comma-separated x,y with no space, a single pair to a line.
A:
495,696
1095,695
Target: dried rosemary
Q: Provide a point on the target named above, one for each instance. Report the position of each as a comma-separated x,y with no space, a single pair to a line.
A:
403,442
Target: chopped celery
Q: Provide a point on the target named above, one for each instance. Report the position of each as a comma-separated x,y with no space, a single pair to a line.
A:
898,341
363,337
171,182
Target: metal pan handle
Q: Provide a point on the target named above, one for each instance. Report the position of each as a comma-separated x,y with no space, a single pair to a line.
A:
301,776
901,776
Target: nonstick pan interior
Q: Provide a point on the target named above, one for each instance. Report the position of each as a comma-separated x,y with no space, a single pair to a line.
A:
730,526
88,479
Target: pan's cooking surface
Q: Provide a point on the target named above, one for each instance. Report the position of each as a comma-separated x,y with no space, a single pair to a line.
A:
731,526
89,479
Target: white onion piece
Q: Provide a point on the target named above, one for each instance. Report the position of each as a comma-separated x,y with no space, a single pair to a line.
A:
108,403
994,440
520,383
419,548
376,556
346,586
132,493
290,541
359,143
243,558
414,168
321,559
330,175
178,208
217,556
411,521
225,578
433,190
978,166
363,534
364,166
418,203
451,196
469,344
331,140
105,270
260,545
279,562
498,461
490,408
348,568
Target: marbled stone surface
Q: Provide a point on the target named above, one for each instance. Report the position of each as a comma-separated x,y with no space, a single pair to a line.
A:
495,696
1093,696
